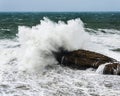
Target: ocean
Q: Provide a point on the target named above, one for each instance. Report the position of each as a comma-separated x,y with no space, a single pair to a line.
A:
28,67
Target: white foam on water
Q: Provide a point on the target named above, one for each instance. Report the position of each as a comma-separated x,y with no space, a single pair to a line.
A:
104,42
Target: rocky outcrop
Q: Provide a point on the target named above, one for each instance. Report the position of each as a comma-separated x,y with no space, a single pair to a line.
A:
113,69
82,59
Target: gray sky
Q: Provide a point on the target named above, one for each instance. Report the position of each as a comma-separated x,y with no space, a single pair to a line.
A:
59,5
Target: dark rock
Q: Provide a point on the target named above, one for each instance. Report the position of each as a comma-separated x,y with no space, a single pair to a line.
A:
113,69
117,50
81,59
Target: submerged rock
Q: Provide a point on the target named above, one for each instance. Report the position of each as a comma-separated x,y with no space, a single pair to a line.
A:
82,59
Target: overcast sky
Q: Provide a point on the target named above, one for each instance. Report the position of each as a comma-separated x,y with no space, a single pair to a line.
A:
59,5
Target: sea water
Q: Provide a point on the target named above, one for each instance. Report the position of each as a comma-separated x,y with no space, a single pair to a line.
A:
28,67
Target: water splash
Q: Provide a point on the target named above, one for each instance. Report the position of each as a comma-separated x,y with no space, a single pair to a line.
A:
38,42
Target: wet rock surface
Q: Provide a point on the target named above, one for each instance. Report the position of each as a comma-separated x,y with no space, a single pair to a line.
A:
113,69
82,59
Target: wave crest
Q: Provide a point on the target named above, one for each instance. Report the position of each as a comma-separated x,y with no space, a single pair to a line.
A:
38,42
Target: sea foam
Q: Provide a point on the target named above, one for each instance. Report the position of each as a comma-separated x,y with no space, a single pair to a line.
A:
38,43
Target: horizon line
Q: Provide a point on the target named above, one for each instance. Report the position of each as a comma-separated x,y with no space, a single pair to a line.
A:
52,11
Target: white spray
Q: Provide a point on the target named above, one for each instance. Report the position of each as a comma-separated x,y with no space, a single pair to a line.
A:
38,42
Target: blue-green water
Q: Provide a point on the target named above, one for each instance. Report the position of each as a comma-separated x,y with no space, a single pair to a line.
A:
9,22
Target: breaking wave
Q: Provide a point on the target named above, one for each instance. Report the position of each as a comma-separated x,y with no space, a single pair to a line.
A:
38,43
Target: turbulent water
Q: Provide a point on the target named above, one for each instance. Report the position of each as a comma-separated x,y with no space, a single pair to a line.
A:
28,67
